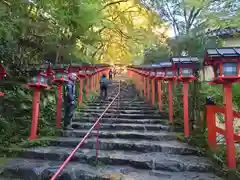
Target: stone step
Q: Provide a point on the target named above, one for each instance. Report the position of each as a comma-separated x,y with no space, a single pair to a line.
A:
124,121
9,178
171,147
122,111
160,136
131,104
121,115
155,160
121,101
143,108
104,126
26,169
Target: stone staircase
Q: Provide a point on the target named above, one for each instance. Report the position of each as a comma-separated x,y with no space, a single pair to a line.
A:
135,144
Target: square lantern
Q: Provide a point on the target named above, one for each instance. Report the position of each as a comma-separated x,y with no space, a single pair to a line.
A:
160,74
186,65
62,75
39,80
230,69
225,61
169,72
81,72
88,72
165,69
187,72
152,73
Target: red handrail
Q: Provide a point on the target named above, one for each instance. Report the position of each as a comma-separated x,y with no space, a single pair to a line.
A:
96,124
211,111
213,129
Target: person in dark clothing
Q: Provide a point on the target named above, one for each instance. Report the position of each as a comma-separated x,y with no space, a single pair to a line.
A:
114,73
69,101
110,74
210,101
103,87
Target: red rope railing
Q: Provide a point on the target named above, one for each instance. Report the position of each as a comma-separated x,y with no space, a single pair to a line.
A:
95,125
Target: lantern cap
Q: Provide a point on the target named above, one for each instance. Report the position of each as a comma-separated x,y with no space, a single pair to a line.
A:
165,64
156,65
184,60
223,52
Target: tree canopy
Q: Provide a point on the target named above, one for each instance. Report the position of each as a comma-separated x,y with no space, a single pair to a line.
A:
91,31
190,20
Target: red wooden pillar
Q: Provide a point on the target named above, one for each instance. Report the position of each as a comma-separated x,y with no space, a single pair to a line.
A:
93,82
96,81
90,83
153,91
159,96
140,82
144,87
211,125
230,147
224,96
80,90
59,105
149,89
87,87
170,103
185,108
35,112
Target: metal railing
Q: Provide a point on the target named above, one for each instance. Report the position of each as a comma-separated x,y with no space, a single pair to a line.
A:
96,126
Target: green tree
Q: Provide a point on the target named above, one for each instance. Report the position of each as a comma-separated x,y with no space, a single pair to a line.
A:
156,53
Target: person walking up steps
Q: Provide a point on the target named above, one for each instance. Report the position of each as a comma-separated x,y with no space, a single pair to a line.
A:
69,101
103,87
114,73
110,74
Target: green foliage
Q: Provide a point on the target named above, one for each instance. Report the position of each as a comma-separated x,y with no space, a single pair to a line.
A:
156,53
29,31
15,114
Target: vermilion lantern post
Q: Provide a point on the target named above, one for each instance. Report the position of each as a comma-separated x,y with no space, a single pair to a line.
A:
88,81
143,82
60,77
145,76
152,79
81,75
138,78
160,75
37,83
93,79
226,66
2,75
147,80
170,76
187,67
